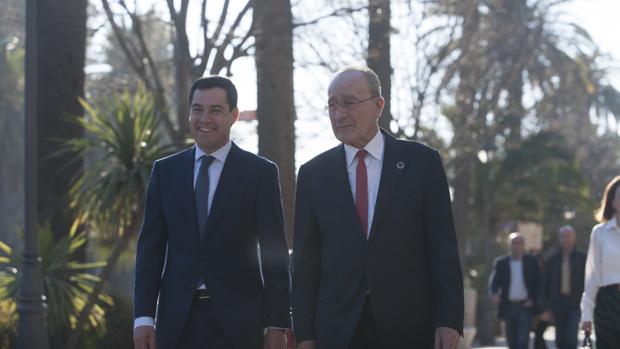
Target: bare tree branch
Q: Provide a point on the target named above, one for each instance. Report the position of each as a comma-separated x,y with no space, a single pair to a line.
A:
204,21
127,46
137,58
210,42
219,61
336,13
220,24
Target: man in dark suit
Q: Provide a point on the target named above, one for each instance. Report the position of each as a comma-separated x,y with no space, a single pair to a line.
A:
563,285
375,255
515,283
208,208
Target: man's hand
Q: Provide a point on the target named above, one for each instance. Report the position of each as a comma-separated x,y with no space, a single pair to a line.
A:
446,338
496,298
274,339
306,345
587,326
144,337
546,316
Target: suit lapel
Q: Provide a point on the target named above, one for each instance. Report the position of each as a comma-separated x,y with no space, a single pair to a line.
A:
392,170
340,187
231,173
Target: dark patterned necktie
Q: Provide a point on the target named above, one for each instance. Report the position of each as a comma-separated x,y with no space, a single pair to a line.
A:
201,193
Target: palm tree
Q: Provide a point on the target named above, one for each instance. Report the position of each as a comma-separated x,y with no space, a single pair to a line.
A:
66,280
502,53
125,139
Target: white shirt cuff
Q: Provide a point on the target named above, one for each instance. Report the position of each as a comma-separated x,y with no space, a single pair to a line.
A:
149,321
143,321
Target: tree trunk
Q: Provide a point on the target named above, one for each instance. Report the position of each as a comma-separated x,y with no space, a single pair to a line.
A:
464,141
60,83
182,73
378,59
275,95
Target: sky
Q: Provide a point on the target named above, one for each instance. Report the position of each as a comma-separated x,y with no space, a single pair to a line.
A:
601,18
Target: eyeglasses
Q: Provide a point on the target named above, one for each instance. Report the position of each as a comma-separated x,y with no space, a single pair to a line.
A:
346,104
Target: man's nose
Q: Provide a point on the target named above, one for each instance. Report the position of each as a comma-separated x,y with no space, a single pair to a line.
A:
204,116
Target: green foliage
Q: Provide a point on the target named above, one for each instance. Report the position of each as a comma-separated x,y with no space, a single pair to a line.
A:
66,281
8,322
119,326
538,180
124,138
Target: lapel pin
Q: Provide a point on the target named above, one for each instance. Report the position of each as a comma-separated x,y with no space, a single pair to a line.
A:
400,165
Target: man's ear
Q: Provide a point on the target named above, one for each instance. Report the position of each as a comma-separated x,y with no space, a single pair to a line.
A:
235,114
380,102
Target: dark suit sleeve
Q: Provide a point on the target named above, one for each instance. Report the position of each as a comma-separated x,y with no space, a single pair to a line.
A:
151,250
447,281
494,284
306,262
545,294
536,281
273,248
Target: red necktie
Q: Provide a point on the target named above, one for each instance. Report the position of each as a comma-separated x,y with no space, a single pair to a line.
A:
361,190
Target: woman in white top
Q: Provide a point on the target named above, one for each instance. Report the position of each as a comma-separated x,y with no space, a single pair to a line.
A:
601,297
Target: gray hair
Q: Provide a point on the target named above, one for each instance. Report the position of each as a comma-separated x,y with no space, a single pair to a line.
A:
373,79
566,228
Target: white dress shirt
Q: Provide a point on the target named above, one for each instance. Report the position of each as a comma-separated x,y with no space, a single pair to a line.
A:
374,163
602,264
517,291
215,170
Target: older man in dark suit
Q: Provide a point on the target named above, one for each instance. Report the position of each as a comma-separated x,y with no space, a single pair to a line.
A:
563,285
197,264
375,254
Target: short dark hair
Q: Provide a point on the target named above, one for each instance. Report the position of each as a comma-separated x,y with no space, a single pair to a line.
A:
606,211
207,82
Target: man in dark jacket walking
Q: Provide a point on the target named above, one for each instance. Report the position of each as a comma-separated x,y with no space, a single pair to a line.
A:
562,288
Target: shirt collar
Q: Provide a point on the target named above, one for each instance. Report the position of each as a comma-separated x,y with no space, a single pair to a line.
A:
219,155
375,148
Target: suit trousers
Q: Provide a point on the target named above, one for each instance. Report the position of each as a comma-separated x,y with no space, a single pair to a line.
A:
365,336
203,329
566,318
518,323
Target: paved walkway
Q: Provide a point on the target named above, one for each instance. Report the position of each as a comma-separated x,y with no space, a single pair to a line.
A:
500,342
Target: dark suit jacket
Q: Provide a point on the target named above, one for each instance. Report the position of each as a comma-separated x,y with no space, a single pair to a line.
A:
552,296
409,265
500,281
246,210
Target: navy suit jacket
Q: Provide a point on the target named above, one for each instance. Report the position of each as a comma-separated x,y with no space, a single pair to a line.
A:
409,266
500,281
246,211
